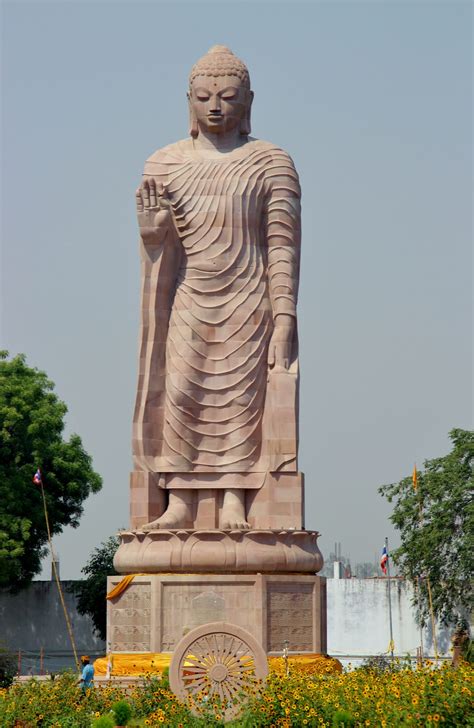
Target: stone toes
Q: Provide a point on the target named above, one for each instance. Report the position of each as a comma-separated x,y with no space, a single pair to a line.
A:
234,525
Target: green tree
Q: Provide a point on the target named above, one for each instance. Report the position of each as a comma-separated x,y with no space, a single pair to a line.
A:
436,524
8,667
31,437
92,590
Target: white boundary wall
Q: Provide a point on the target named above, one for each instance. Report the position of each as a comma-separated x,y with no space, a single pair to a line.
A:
358,619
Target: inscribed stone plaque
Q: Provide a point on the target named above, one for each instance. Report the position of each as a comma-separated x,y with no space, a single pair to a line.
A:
185,606
290,616
207,607
130,620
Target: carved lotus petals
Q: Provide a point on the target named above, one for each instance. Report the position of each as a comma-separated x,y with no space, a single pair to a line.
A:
211,551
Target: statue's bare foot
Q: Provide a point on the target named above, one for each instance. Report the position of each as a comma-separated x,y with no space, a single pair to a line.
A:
177,515
171,518
233,510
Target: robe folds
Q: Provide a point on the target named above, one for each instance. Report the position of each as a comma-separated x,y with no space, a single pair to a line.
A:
206,400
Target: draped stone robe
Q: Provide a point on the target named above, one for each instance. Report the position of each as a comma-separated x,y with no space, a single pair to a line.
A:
207,401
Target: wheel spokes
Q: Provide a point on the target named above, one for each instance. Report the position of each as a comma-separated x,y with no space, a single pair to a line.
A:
221,666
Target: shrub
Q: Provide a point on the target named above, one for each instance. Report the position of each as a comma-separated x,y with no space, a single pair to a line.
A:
7,667
105,721
343,719
122,712
379,664
165,679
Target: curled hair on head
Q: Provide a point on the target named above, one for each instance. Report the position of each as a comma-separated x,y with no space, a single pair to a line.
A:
220,61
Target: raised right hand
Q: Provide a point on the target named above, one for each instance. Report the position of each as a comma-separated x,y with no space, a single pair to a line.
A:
154,213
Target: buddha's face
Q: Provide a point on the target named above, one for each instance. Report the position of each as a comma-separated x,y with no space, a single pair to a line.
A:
219,103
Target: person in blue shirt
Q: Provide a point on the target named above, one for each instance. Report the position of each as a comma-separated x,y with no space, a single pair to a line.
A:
87,678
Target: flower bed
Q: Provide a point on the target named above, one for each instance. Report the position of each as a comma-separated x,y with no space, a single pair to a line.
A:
408,697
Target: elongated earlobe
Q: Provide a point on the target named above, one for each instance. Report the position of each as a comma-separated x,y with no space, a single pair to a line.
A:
245,127
193,125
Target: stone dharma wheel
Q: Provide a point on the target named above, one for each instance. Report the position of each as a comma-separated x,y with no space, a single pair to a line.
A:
218,660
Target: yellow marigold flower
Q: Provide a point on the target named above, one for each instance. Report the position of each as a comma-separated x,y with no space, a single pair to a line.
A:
436,717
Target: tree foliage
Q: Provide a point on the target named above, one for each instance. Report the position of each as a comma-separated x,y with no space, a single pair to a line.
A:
92,590
31,436
436,523
8,667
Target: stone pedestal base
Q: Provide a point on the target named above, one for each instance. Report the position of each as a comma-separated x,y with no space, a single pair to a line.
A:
224,552
156,610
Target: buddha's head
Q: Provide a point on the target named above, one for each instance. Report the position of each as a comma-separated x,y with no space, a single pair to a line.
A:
219,93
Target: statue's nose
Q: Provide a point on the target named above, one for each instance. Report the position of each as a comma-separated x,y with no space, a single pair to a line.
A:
215,104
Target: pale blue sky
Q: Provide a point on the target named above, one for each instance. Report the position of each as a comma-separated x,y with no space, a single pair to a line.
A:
373,101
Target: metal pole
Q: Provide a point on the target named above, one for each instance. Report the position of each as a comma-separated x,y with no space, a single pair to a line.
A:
285,656
433,619
421,621
389,598
56,576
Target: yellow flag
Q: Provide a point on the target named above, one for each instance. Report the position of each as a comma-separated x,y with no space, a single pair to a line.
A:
415,478
391,646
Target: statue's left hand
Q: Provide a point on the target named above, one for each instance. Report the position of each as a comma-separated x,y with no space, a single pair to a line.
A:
279,349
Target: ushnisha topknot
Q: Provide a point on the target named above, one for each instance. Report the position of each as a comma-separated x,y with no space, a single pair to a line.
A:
220,61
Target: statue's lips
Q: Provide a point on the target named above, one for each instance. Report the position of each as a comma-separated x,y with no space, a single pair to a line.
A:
215,117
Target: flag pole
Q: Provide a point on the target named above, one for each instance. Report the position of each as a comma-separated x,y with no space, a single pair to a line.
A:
389,599
433,620
418,581
56,576
421,621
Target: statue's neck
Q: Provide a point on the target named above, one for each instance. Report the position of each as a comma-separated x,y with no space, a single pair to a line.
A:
218,143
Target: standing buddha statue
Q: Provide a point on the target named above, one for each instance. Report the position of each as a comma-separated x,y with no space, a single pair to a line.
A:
219,220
